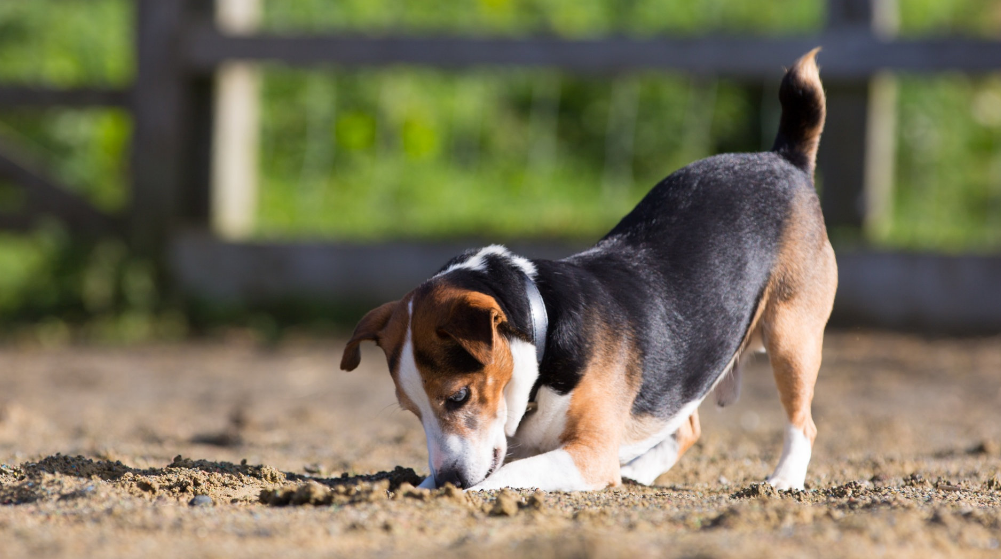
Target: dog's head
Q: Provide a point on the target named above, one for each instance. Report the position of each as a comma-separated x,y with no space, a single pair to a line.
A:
451,363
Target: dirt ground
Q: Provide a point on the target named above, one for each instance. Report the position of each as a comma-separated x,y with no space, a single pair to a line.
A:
229,448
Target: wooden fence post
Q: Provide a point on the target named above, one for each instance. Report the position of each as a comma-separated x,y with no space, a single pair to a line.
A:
856,158
172,112
159,113
235,139
196,188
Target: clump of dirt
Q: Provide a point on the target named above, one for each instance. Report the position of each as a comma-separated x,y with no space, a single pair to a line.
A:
266,474
18,487
62,477
994,483
313,493
397,484
396,478
507,503
756,490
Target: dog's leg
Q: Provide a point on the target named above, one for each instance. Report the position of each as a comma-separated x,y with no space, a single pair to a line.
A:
588,457
793,329
661,458
588,460
795,363
556,470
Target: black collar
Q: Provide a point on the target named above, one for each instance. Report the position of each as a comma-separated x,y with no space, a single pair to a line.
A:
540,319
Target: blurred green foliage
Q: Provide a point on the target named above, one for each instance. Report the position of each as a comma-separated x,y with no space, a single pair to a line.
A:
492,154
568,18
481,154
66,42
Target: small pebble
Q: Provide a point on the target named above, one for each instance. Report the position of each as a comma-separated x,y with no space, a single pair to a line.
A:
201,501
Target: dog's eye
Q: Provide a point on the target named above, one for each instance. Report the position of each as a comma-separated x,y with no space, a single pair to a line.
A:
458,398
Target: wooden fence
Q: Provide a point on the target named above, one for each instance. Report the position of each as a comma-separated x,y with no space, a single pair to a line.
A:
180,48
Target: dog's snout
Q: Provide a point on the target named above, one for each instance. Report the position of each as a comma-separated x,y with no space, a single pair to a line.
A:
451,475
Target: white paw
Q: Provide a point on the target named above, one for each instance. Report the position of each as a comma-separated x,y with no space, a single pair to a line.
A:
488,485
791,470
784,484
639,477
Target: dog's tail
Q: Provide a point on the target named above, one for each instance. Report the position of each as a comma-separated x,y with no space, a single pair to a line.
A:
803,112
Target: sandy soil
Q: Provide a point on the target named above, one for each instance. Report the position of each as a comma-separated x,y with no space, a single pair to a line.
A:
226,448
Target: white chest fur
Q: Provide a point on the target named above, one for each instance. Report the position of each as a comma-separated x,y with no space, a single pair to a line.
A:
540,430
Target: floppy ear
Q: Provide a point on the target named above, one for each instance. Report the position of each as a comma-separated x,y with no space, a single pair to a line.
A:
368,329
473,324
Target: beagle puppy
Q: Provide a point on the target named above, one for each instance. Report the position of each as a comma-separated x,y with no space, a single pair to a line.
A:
572,374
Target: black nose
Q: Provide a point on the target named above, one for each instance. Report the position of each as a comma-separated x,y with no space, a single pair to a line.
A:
450,475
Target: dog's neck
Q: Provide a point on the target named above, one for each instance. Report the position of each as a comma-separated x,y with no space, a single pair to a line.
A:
520,391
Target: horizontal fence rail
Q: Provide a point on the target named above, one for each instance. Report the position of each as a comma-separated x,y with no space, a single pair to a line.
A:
845,55
39,96
925,292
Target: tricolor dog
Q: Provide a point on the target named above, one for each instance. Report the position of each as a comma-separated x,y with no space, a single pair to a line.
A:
573,374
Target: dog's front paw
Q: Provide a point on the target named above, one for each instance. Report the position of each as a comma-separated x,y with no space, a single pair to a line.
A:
783,484
488,485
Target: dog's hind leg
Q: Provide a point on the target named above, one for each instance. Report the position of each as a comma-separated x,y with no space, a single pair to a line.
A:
649,466
793,329
795,364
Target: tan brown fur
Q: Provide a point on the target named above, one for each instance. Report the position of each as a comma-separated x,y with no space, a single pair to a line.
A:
599,410
445,316
368,329
386,325
796,307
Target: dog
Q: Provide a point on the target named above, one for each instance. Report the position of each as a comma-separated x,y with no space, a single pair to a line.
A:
572,374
